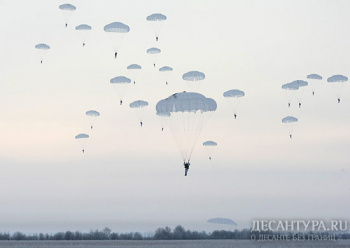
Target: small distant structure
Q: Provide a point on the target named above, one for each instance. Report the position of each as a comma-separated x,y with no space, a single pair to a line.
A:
223,221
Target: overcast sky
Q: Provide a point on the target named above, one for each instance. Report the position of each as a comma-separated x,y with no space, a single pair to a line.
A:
132,178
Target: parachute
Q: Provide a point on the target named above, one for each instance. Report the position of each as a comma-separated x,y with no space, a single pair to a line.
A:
120,83
154,52
163,118
92,114
210,144
116,32
300,91
156,21
192,77
134,68
314,81
189,113
165,71
83,30
290,122
82,138
337,82
290,89
223,221
234,96
42,48
139,106
67,10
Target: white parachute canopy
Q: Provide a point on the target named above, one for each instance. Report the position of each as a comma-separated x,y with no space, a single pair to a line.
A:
67,10
223,221
193,79
83,30
156,20
189,113
42,48
290,122
134,71
163,118
82,139
234,97
120,84
210,145
337,82
315,80
139,107
116,32
92,114
165,70
153,52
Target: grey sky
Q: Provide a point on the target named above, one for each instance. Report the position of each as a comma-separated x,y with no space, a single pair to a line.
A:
131,178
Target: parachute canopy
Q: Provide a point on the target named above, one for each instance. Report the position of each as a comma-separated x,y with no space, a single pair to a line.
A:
193,76
83,27
299,83
92,113
120,80
67,7
165,68
186,102
42,46
337,79
138,104
210,143
290,86
153,50
314,76
156,17
163,114
116,27
224,221
82,136
134,67
289,119
234,93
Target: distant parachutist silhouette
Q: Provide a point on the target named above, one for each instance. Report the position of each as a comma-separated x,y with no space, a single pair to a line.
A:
91,127
313,93
235,116
290,136
162,129
338,100
121,102
157,38
115,55
134,82
210,158
154,65
141,123
299,104
83,151
166,83
66,24
187,167
41,62
288,105
83,44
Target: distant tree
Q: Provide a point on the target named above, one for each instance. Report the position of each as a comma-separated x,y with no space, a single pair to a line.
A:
178,232
18,236
107,232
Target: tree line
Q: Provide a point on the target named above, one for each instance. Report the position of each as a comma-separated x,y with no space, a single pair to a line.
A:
166,233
